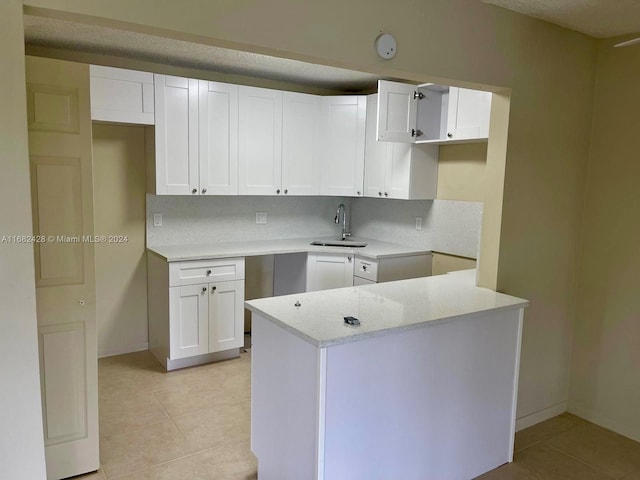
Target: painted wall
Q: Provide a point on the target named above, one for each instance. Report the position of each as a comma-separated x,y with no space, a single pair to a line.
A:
605,379
121,268
550,72
21,445
461,172
441,263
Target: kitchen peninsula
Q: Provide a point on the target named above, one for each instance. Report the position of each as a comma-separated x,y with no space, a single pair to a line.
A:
425,387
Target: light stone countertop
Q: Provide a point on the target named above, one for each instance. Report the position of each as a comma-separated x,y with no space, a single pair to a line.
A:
382,308
375,249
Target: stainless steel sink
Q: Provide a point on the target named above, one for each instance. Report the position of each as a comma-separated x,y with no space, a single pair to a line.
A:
339,243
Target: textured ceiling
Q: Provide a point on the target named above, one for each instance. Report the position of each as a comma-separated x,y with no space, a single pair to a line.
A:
41,31
597,18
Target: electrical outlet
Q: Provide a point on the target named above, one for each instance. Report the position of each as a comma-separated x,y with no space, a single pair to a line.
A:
418,223
157,219
261,218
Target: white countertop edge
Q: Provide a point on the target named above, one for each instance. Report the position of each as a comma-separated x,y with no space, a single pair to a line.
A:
357,337
180,253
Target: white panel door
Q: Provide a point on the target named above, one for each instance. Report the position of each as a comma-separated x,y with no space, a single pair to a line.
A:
218,138
300,144
375,153
327,270
260,136
226,315
62,202
176,103
397,111
398,171
344,119
189,326
469,112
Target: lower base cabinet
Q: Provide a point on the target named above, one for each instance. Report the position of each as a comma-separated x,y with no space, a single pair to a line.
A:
196,311
329,270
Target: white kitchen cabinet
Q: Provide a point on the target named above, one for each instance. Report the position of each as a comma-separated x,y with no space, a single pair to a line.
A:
431,113
301,143
260,136
196,312
176,136
329,270
343,139
218,138
388,269
121,96
397,170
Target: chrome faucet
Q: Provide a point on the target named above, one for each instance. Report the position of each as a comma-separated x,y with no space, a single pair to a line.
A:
343,209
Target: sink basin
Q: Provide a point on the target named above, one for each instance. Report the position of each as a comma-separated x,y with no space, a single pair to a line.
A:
339,243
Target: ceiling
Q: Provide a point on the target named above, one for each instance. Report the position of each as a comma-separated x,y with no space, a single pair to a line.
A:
63,34
596,18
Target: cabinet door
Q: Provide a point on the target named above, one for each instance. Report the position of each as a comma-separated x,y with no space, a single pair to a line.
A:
469,112
344,119
260,149
226,315
375,153
188,321
397,112
300,144
176,101
398,171
120,95
218,138
328,270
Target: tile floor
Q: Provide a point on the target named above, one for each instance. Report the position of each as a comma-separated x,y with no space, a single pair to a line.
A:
193,424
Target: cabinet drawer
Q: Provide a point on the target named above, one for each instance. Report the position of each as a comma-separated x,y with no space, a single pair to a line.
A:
204,271
367,269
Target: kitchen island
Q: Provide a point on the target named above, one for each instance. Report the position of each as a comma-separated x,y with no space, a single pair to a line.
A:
424,388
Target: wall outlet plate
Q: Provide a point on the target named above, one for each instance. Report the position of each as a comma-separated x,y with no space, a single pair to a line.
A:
418,223
261,218
157,219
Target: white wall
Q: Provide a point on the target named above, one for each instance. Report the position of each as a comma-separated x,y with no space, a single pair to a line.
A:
119,209
21,441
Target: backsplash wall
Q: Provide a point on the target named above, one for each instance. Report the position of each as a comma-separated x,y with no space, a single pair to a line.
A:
203,219
448,226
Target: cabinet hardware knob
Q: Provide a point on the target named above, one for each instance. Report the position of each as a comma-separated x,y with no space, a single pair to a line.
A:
379,194
278,191
204,289
194,191
208,272
204,190
286,191
386,194
349,258
449,135
297,304
364,267
358,192
213,289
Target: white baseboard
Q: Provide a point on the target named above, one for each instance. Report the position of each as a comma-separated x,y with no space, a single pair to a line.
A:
122,350
541,416
600,419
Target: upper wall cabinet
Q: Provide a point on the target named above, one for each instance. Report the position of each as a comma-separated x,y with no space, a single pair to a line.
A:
397,170
196,137
121,96
431,113
343,137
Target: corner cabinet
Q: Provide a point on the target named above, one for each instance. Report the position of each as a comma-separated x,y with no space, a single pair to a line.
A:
397,170
431,113
196,312
196,137
329,270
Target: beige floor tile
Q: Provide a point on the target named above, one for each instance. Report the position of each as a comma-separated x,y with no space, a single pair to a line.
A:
632,476
228,462
99,475
206,395
545,430
541,462
218,426
122,413
605,450
142,448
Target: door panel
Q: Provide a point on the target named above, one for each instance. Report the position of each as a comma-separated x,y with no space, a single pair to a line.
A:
189,325
375,154
62,202
226,315
397,111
